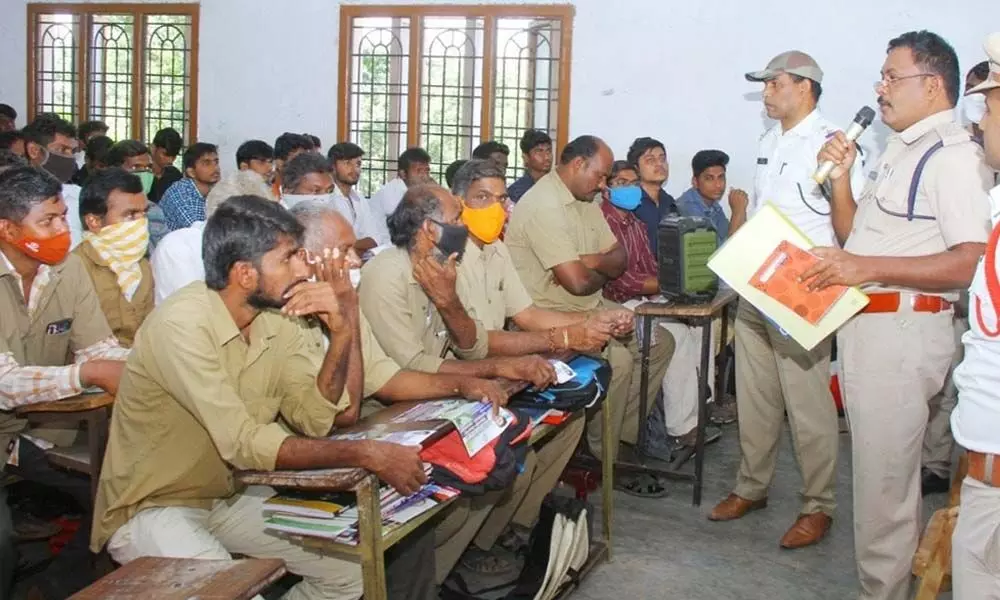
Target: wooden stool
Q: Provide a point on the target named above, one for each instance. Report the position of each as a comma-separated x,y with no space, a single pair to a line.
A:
932,561
184,578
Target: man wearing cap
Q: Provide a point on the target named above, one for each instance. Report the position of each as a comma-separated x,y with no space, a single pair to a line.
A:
911,240
976,420
775,375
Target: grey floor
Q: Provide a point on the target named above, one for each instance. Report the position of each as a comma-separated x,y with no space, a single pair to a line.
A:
666,548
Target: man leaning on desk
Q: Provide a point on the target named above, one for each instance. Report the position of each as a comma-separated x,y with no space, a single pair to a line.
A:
423,306
50,313
211,371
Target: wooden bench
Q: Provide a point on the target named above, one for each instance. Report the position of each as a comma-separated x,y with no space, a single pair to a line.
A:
185,578
373,541
92,409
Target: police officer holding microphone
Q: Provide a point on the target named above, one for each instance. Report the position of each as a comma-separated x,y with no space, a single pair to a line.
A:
912,240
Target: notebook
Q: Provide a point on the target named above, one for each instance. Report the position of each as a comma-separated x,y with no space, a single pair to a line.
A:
752,248
779,277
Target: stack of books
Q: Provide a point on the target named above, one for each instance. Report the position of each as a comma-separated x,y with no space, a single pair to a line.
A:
335,516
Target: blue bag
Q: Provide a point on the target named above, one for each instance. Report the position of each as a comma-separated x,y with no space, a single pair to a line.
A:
586,389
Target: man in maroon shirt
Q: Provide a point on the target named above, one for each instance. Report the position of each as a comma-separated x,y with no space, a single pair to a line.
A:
680,384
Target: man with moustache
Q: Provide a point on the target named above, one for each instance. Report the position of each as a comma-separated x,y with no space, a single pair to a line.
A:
565,253
911,240
774,374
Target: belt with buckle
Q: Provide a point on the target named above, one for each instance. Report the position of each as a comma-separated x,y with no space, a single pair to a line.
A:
985,468
889,302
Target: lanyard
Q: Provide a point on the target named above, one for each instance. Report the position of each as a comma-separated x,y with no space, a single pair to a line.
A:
992,284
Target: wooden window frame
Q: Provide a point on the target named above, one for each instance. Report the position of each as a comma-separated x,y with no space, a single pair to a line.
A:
490,13
139,11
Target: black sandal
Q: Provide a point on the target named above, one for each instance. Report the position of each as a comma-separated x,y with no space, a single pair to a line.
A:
643,485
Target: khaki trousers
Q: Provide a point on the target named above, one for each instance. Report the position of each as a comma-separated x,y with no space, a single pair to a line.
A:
892,365
775,376
939,445
235,526
524,502
975,546
454,533
623,392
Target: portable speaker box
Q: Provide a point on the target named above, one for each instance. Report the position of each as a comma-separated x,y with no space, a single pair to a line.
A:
686,244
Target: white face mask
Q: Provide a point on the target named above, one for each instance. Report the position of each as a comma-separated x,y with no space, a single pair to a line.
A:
974,108
290,200
355,277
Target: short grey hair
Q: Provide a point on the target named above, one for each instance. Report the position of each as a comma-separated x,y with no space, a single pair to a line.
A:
473,171
310,214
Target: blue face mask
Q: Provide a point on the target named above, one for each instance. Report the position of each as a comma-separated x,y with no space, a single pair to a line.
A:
626,197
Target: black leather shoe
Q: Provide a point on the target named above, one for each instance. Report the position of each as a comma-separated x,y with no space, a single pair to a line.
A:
931,483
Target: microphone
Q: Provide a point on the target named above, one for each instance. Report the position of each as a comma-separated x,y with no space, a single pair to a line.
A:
861,122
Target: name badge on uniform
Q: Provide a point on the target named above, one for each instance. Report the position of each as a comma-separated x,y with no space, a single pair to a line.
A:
59,327
761,160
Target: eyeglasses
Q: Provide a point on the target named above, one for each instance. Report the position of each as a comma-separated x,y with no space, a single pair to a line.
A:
891,81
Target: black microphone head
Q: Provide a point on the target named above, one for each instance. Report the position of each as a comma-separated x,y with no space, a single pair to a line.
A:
865,116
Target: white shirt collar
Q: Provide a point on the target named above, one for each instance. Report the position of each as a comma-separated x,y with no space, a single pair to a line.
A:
805,127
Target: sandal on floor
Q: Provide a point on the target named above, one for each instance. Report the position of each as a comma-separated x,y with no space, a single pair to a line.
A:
643,485
486,563
514,539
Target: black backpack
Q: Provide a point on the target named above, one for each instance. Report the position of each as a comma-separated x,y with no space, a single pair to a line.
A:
557,551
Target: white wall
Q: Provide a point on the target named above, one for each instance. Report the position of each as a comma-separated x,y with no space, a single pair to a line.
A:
665,68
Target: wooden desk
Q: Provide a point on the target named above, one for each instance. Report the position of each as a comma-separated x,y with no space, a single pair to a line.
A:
373,542
697,315
186,578
95,410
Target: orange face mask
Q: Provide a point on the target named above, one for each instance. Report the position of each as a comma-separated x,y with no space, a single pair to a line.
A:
49,250
485,224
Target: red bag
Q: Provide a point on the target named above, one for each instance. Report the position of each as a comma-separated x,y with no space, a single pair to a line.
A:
450,453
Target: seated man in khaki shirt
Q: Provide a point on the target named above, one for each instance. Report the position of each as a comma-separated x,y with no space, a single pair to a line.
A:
565,253
54,343
386,382
396,296
212,369
115,239
326,229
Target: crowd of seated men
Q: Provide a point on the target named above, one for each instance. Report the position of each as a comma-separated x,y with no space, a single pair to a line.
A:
221,305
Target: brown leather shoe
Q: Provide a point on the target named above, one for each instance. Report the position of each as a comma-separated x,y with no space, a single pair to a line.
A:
734,507
806,531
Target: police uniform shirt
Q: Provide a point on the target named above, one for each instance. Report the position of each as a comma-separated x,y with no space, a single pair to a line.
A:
786,162
949,206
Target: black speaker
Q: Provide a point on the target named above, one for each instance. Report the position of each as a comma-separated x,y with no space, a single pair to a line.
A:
686,244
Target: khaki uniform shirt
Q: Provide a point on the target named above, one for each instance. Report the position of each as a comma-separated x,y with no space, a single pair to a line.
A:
489,286
949,197
68,319
404,320
378,367
548,227
123,315
197,400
